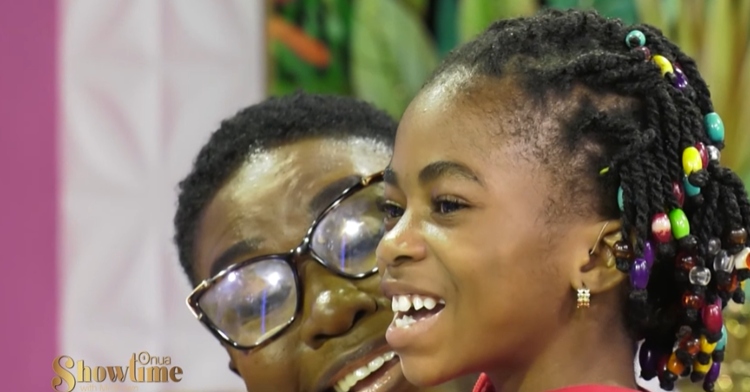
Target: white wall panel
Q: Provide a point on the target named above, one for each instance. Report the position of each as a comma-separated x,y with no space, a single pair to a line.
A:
143,84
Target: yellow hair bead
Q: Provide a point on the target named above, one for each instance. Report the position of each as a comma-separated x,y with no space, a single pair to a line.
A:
604,171
663,63
691,160
707,347
700,368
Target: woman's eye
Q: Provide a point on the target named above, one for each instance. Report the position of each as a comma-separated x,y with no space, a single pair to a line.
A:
391,211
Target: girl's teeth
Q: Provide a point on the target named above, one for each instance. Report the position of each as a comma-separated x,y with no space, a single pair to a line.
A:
403,303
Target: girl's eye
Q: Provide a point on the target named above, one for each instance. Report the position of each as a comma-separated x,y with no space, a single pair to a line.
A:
447,205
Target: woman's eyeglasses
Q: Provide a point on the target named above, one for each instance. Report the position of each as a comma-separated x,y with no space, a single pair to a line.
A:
255,300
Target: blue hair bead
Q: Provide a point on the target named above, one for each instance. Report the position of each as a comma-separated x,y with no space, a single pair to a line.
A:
619,199
635,39
714,127
723,341
690,189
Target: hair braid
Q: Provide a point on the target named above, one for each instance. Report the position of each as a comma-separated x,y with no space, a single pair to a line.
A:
660,142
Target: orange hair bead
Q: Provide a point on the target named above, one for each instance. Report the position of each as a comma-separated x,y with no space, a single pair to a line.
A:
674,365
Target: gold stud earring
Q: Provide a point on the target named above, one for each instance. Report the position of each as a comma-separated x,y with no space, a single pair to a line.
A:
584,297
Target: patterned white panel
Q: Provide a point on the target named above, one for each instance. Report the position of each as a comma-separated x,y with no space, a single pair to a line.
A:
143,84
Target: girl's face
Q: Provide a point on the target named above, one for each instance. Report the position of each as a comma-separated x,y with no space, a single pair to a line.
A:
269,204
468,226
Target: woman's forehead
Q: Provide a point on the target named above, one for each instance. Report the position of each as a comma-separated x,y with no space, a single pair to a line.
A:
275,193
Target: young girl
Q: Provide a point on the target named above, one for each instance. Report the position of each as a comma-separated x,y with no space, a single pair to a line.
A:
555,197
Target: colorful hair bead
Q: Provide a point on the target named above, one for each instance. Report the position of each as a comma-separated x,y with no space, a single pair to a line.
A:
685,261
732,285
622,250
700,370
678,192
738,236
691,301
703,153
679,223
701,367
714,153
648,357
661,366
664,65
714,246
722,344
648,253
620,202
646,52
722,262
635,38
690,345
714,127
699,276
661,228
711,317
706,346
691,160
711,376
741,260
679,79
639,274
674,365
690,189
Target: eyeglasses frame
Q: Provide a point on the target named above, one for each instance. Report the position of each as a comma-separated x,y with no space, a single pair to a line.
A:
292,258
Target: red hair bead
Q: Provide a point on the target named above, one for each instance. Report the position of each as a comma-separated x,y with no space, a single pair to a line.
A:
733,284
661,228
678,192
646,52
622,250
703,153
685,261
691,345
662,365
692,301
711,317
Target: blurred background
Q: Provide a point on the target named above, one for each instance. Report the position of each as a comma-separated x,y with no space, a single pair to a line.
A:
104,104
